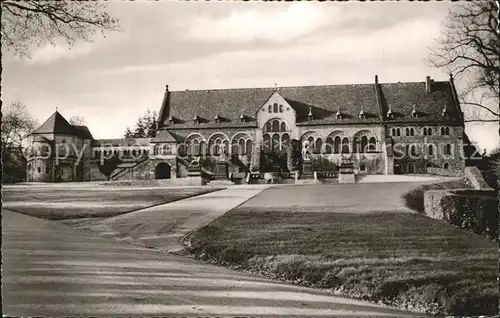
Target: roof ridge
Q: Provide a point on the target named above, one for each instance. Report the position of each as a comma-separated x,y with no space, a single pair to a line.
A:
299,86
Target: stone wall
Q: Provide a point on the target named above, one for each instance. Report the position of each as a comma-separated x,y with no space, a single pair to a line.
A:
474,209
476,179
445,172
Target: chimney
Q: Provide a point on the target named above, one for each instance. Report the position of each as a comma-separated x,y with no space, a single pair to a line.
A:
376,79
428,84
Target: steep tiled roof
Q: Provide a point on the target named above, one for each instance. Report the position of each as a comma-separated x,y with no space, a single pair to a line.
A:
324,102
82,131
122,142
429,106
164,136
55,124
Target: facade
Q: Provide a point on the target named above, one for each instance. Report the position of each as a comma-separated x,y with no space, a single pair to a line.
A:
383,128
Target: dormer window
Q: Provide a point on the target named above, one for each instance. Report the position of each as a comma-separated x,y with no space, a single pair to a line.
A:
171,120
243,118
414,112
217,119
196,119
390,114
362,114
338,114
445,110
310,115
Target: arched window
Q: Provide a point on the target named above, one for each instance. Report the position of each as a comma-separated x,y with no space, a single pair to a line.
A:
412,132
310,142
407,131
393,131
447,131
319,144
430,150
442,131
413,150
283,125
39,169
345,145
424,131
398,131
241,147
446,165
364,143
329,145
248,145
285,139
411,168
203,148
196,148
281,108
447,149
217,146
336,145
372,144
276,125
275,108
269,127
270,108
267,143
234,147
275,143
356,145
226,145
429,131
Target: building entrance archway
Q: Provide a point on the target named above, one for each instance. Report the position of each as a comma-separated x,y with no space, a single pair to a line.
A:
162,171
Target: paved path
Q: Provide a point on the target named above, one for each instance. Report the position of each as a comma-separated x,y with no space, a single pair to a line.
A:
50,269
164,226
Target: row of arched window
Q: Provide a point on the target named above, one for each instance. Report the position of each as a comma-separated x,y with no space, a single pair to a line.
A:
216,146
413,150
426,131
275,142
275,125
275,108
121,152
342,145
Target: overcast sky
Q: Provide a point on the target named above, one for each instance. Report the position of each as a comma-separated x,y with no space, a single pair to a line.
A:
195,45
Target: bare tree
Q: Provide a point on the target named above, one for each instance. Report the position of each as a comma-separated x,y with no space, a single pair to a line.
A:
36,22
469,50
17,123
77,120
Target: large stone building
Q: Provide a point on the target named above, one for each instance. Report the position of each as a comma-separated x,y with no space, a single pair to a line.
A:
384,128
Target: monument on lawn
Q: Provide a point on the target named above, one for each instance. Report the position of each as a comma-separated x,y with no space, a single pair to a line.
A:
307,167
221,164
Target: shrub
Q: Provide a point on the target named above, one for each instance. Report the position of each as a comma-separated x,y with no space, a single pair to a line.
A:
414,199
476,213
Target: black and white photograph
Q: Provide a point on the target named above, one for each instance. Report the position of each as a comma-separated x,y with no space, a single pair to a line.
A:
250,158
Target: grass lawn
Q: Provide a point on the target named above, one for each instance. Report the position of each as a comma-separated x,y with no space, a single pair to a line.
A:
354,239
73,203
